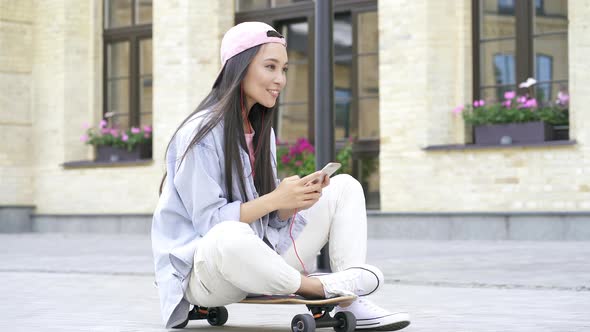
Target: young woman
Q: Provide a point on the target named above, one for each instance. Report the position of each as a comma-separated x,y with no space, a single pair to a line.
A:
225,226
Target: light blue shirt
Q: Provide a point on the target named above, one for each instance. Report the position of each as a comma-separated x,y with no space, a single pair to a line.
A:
193,200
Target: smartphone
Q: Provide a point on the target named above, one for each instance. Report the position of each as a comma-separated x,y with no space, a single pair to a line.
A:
329,169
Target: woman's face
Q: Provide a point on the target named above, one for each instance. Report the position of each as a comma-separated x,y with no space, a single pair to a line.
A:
266,75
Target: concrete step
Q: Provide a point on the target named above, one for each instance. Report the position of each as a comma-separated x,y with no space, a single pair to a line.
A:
529,226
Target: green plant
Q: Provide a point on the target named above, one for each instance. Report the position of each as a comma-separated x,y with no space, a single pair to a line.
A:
516,109
106,135
299,159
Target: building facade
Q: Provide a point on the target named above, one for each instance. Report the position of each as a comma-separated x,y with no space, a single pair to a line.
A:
400,67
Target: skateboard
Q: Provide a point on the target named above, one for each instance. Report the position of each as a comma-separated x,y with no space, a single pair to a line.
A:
320,312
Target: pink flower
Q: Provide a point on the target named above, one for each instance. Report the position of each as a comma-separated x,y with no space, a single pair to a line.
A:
84,138
521,99
294,150
135,130
530,103
509,95
105,131
507,103
146,135
124,138
114,132
303,145
298,163
562,98
458,109
103,123
306,147
479,103
147,129
285,159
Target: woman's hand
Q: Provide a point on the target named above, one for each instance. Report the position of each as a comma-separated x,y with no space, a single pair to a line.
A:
299,193
325,179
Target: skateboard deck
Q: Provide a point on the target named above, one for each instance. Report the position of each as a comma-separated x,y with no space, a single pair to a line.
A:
295,299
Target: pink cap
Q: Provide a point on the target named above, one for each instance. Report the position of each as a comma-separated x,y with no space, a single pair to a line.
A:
247,35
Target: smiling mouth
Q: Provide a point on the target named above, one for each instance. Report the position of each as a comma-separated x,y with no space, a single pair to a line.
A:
274,93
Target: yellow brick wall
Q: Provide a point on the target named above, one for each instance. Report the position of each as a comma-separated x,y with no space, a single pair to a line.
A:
16,43
67,72
425,71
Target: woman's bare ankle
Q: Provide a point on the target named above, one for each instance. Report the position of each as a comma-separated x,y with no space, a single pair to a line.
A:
311,288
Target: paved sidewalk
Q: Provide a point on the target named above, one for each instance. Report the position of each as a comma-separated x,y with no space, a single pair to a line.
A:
86,282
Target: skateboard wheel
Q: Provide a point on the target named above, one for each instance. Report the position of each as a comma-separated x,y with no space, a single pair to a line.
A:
346,322
303,323
217,316
181,325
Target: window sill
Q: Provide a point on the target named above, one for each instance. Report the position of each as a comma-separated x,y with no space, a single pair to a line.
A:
98,164
497,146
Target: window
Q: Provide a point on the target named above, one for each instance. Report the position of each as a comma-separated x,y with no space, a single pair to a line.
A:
128,62
540,7
342,99
367,55
507,7
515,40
356,77
544,69
504,73
293,112
343,56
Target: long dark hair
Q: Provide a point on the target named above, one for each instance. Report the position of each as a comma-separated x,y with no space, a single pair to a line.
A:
225,100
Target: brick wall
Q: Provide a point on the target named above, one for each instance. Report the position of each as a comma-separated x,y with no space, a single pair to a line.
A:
16,43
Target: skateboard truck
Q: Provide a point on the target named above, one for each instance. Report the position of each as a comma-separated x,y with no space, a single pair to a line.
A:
320,317
215,316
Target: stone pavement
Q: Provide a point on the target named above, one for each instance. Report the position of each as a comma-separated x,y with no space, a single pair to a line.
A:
90,282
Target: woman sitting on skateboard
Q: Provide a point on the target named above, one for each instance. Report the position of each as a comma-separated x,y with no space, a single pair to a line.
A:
225,226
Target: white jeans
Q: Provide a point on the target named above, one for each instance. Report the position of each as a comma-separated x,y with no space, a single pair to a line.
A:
232,261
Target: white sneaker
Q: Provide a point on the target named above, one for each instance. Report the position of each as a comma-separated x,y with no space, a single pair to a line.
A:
372,317
359,280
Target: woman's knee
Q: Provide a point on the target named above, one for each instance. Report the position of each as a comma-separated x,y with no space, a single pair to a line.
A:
348,183
228,227
224,234
233,238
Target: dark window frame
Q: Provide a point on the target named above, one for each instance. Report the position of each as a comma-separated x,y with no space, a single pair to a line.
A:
132,34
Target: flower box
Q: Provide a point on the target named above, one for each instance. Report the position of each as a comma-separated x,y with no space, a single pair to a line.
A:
511,133
113,144
561,132
106,153
518,119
